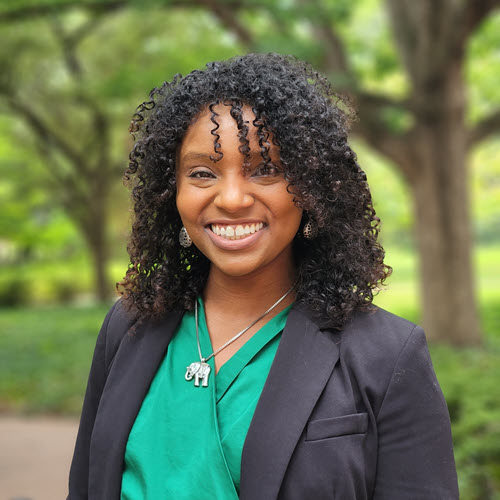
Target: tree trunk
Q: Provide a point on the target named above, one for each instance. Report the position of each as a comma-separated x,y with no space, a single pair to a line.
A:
443,226
97,247
95,235
103,288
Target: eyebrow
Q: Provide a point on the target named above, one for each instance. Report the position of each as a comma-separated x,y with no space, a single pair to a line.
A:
193,155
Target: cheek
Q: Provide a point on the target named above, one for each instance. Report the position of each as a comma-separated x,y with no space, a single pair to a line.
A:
187,203
286,208
287,221
180,203
294,216
179,197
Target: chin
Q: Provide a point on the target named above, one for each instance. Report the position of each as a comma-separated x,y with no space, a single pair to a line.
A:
236,269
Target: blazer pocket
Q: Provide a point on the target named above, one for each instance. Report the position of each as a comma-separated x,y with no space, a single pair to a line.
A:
324,428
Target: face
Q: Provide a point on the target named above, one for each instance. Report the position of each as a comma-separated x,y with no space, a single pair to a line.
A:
242,222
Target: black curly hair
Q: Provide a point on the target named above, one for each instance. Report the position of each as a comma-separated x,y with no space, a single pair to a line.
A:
339,269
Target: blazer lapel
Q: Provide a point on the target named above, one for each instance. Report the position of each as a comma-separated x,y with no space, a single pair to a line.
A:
132,372
303,364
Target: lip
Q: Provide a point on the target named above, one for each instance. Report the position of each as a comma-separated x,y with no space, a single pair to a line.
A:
240,244
227,222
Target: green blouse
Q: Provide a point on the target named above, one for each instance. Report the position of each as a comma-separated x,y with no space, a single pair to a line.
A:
187,441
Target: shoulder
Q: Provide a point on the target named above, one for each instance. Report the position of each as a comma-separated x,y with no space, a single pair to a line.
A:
115,326
117,322
377,345
376,333
121,322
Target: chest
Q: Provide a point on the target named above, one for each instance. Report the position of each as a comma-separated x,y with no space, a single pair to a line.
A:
336,454
222,329
169,439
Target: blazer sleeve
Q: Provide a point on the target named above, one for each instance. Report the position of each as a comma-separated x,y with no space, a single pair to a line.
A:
79,471
415,450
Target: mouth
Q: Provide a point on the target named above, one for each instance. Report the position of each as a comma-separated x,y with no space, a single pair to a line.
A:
235,236
236,232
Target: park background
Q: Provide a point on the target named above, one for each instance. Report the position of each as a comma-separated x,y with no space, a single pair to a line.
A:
424,77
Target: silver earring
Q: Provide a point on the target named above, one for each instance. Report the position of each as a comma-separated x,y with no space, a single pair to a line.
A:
308,230
184,238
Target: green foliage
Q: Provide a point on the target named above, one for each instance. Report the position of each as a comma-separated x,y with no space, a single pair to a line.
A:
483,68
372,52
45,356
469,380
52,281
124,68
393,200
14,291
391,197
485,167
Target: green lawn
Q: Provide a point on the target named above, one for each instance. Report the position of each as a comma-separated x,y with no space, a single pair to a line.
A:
36,377
45,356
400,295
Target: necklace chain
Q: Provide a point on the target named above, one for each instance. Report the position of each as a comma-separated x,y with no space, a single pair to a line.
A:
200,370
239,334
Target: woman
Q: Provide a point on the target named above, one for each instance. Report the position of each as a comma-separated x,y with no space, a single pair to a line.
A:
245,358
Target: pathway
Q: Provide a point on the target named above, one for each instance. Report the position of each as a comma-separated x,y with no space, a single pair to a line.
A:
35,454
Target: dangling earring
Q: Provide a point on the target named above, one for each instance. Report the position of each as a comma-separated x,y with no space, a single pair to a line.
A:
184,238
308,230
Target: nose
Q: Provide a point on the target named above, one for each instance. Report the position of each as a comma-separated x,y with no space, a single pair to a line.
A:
233,195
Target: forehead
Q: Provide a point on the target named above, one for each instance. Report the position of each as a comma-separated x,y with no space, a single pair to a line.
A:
218,125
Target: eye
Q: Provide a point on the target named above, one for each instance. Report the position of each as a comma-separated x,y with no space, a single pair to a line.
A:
267,170
201,174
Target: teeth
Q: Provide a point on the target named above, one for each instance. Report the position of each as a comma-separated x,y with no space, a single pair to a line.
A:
236,232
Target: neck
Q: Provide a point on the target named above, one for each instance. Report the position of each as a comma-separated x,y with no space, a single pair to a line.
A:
250,293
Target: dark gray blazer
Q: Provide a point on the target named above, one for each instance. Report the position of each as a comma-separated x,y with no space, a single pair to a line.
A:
355,414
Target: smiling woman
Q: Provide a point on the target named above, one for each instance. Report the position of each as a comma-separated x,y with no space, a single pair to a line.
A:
243,220
245,358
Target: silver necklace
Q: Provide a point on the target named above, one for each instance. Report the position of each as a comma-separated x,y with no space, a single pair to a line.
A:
200,370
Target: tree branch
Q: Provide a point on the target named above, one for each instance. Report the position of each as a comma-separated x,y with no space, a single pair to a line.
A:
387,144
49,8
378,101
101,133
45,133
335,60
474,12
70,41
226,13
68,191
485,128
67,47
374,130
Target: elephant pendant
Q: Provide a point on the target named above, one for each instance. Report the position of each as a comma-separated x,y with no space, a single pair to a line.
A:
198,370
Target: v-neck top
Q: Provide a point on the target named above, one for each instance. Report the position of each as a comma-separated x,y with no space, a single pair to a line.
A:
187,440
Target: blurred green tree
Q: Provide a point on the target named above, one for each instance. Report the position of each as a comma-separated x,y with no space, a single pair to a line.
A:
72,80
403,63
44,85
